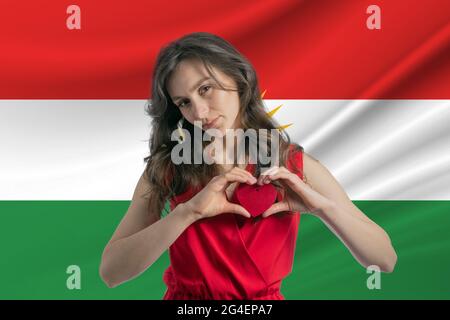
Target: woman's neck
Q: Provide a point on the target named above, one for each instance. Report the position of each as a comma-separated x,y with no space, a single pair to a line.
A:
229,156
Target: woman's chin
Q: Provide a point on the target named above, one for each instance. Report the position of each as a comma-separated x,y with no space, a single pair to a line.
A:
214,132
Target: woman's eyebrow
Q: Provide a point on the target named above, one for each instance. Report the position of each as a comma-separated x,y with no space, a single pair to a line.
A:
194,87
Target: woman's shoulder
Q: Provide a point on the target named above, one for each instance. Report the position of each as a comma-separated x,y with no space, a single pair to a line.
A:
311,168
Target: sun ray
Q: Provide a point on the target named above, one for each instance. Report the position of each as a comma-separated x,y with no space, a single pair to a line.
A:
284,126
263,94
272,112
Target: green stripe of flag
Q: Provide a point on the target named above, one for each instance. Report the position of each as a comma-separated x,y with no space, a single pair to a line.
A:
40,239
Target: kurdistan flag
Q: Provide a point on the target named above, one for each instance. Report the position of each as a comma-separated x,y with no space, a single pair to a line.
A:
372,105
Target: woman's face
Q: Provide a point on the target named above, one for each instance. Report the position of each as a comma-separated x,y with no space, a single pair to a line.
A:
200,98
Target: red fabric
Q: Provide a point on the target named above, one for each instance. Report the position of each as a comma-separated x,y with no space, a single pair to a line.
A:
300,49
232,257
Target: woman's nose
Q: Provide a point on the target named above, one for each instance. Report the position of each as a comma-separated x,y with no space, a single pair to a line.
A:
200,110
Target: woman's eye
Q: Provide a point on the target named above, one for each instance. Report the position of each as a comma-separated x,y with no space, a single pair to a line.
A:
204,89
181,105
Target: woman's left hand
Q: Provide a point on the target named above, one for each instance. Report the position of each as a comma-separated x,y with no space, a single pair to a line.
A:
297,195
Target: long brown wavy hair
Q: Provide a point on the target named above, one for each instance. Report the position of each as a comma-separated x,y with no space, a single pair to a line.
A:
166,178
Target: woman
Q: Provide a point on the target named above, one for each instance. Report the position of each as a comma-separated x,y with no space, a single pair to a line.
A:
217,249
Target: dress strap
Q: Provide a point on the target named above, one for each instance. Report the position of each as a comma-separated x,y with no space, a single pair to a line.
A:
295,160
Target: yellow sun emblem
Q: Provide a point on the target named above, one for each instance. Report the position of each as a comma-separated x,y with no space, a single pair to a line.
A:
272,112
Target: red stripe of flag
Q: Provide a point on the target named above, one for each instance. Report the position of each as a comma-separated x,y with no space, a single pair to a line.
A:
300,49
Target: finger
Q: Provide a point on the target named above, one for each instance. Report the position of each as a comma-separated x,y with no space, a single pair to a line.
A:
290,178
271,170
293,175
243,173
231,178
275,208
223,181
263,176
239,176
248,176
237,209
268,178
282,168
238,170
228,178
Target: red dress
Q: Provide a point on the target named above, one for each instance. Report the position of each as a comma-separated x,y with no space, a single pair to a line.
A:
230,257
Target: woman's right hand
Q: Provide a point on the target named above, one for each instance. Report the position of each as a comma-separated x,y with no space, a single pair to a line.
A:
212,199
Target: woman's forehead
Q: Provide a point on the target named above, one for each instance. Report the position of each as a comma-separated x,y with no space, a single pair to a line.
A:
186,74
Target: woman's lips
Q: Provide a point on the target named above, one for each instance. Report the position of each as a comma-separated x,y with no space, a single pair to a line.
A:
212,124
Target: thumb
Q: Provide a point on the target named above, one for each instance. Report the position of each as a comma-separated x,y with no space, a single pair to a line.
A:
235,208
275,208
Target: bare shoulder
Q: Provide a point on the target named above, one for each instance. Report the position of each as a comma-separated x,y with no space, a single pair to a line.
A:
311,168
323,181
309,158
319,177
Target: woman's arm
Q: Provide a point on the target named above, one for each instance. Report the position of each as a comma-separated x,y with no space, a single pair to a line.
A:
368,242
141,238
325,198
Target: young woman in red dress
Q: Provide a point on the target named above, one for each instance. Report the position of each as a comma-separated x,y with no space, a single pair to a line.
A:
217,249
